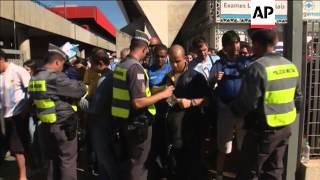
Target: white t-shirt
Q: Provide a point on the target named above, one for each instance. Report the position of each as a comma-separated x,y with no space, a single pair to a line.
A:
204,67
13,90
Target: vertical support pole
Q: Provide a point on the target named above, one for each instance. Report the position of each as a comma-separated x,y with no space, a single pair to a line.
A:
294,53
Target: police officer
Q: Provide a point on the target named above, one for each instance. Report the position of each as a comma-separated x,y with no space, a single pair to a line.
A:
267,97
133,107
52,93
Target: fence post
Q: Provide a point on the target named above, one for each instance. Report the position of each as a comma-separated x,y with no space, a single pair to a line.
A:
294,53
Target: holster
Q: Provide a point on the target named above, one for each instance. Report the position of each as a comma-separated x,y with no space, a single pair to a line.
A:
70,127
138,129
129,135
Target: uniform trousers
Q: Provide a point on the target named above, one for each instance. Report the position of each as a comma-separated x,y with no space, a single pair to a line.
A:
133,166
263,153
61,152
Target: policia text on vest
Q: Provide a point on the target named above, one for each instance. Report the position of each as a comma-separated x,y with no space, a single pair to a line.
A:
279,95
268,97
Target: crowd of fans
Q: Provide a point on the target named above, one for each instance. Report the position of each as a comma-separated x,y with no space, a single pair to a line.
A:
195,94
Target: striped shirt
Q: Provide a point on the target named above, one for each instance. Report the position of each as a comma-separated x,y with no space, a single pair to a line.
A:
13,90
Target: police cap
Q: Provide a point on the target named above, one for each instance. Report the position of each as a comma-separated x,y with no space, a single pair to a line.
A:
55,49
140,35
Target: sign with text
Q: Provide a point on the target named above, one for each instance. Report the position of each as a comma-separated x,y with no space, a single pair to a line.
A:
311,9
263,14
240,11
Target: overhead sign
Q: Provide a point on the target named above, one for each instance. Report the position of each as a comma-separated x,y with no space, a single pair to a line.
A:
311,9
240,11
263,14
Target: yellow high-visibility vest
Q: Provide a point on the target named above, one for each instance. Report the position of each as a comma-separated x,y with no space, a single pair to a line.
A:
280,87
121,100
46,111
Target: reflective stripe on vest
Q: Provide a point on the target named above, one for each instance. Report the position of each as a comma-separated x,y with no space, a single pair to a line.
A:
279,94
121,95
44,103
121,101
46,111
37,86
152,109
74,106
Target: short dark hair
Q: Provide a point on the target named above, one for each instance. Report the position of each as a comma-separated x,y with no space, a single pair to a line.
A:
160,47
99,54
136,43
3,55
51,56
230,37
264,37
198,41
31,64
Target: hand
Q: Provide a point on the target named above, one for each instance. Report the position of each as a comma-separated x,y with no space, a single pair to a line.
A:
219,75
184,103
167,92
78,66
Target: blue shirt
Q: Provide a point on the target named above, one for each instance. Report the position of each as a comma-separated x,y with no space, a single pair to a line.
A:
72,73
204,67
157,75
101,99
229,87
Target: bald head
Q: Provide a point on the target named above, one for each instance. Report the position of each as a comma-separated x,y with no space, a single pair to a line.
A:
176,51
154,41
177,58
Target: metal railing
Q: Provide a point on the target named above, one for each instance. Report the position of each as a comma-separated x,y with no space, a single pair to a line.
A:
312,88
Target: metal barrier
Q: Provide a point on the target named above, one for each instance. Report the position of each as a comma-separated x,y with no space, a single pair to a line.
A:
312,87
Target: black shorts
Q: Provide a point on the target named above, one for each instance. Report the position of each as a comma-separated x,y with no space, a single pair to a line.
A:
17,133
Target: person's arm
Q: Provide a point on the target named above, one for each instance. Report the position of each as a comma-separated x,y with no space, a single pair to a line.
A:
136,82
69,88
185,103
139,103
201,93
215,74
251,91
86,78
25,78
